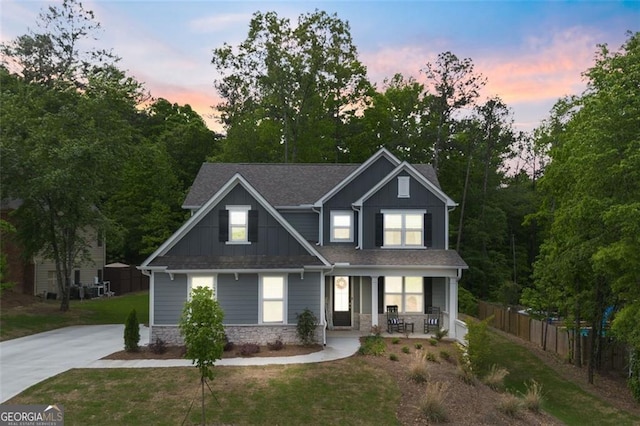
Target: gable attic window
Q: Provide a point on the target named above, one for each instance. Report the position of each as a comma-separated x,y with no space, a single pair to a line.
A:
341,226
238,225
403,186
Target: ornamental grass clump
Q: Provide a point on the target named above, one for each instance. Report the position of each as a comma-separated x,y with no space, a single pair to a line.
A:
495,378
432,404
532,398
510,405
419,371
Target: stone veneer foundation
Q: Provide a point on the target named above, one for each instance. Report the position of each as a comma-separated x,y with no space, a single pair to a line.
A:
238,334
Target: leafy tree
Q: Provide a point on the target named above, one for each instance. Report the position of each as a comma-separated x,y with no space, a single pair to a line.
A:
201,326
288,91
61,145
591,192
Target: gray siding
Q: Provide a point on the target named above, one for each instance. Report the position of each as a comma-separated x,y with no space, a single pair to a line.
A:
303,293
203,239
306,223
238,299
420,198
169,298
353,191
355,289
366,295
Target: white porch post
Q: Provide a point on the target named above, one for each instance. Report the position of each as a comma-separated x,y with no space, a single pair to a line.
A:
453,306
374,301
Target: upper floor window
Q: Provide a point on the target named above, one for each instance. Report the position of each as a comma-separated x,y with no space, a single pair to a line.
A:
401,229
238,225
342,226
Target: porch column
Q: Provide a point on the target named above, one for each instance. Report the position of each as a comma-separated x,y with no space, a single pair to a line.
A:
453,306
374,301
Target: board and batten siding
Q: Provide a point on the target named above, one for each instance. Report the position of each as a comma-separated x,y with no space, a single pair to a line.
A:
238,298
303,292
420,199
203,238
306,223
169,297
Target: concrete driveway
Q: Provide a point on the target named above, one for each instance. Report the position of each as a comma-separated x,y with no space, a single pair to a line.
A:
29,360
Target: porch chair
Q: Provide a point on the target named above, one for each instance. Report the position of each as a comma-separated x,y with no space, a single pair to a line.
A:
393,321
432,321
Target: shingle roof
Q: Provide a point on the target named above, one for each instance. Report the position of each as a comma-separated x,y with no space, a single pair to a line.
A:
280,184
234,262
383,257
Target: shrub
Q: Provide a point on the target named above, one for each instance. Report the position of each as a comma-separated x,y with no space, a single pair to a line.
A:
430,356
441,333
376,330
445,356
432,404
228,344
467,302
465,374
532,399
159,346
634,374
479,346
276,346
495,377
418,346
373,345
306,327
395,341
433,341
248,349
418,371
405,349
510,405
132,332
393,357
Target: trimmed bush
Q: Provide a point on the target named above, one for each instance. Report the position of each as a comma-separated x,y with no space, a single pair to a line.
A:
373,345
132,332
393,357
158,347
479,346
306,327
405,349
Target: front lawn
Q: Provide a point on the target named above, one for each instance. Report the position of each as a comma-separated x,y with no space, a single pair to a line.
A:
45,315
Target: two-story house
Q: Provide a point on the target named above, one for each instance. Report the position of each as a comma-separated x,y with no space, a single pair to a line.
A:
344,240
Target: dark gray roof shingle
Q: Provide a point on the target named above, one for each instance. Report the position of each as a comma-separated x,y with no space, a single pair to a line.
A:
384,257
280,184
235,262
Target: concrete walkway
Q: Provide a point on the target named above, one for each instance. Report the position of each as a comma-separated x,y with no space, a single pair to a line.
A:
29,360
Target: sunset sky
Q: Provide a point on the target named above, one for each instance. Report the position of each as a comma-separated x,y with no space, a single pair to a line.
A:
532,52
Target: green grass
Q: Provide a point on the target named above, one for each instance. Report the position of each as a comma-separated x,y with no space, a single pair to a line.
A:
562,399
284,395
44,316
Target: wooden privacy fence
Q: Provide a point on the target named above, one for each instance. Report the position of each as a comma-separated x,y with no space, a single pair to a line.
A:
126,279
559,339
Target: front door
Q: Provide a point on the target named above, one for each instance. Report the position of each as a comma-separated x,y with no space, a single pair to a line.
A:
341,302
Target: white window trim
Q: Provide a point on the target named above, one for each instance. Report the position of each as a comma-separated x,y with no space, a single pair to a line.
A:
284,299
403,229
214,285
404,185
335,213
240,209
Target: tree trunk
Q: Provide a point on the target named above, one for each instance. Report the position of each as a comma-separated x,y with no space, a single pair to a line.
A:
204,419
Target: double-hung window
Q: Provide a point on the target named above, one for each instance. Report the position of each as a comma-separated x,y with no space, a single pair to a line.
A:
238,224
272,299
341,226
207,281
405,292
403,228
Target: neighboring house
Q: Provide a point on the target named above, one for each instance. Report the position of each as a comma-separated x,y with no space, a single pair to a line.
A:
343,240
37,275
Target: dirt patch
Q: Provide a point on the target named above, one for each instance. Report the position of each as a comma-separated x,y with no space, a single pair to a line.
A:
178,352
11,299
464,404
